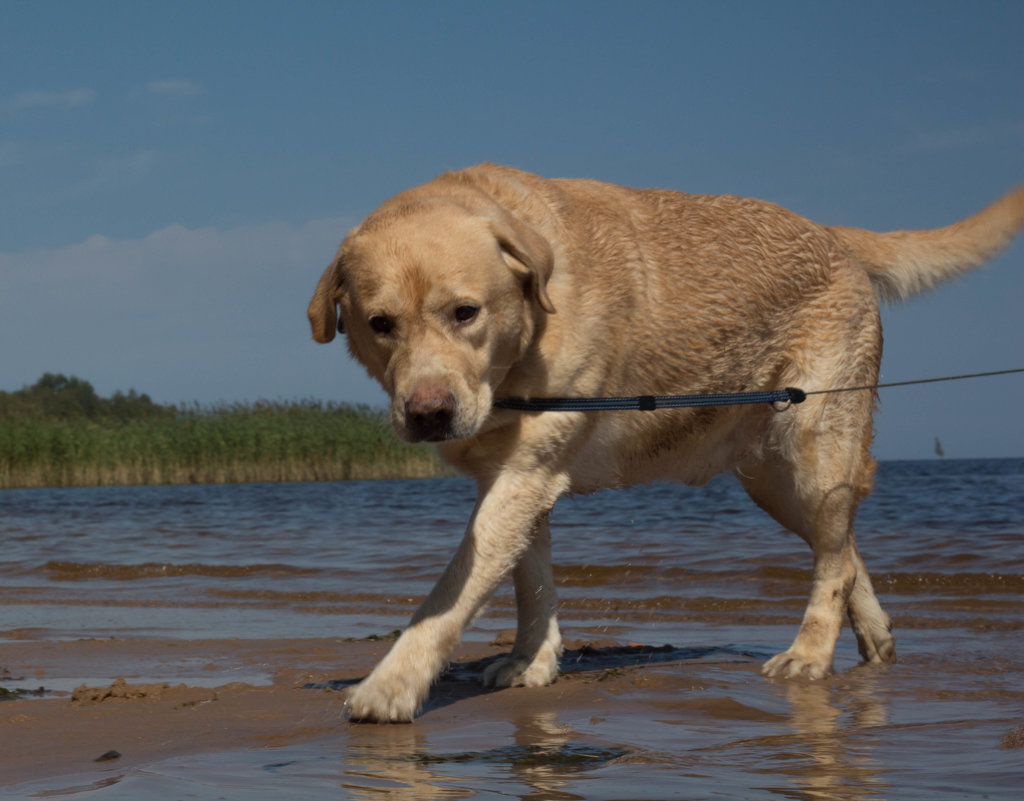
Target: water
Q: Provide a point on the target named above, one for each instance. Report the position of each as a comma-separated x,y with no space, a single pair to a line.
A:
703,570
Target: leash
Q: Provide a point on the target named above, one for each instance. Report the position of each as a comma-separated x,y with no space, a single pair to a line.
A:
648,403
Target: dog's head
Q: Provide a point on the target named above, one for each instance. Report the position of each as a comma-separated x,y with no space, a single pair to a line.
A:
439,299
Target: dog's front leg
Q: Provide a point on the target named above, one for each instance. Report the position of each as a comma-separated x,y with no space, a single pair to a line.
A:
534,658
499,533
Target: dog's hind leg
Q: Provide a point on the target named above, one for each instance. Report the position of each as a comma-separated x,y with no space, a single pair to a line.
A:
534,658
813,489
871,624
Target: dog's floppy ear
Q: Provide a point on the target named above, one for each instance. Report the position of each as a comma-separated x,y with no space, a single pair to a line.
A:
528,250
323,308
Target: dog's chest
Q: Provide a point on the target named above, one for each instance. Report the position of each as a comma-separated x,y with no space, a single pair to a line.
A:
630,448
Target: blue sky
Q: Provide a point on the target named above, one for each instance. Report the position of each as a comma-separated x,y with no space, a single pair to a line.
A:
175,176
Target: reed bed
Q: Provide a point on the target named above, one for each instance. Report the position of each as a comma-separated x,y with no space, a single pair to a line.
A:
305,441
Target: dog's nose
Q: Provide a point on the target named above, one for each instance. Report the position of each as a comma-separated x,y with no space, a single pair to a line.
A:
429,414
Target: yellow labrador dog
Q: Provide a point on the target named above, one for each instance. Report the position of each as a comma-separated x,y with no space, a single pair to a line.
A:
492,283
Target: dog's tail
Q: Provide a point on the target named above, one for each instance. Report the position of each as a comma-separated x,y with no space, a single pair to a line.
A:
903,263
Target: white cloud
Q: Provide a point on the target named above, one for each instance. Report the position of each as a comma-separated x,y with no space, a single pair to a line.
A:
174,86
106,174
183,314
73,98
967,138
125,169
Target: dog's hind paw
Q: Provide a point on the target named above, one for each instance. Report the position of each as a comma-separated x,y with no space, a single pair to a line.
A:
876,643
789,665
519,671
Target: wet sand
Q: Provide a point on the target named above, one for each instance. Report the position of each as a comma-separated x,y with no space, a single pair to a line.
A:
147,721
624,721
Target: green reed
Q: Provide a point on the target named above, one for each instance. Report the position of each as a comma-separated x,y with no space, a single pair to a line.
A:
303,441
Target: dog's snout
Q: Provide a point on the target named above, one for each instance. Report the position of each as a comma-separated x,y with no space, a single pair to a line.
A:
429,414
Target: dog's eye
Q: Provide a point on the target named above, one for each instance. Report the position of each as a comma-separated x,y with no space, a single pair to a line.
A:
381,324
463,314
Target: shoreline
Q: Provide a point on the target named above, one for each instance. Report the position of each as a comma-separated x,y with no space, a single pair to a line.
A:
251,473
239,474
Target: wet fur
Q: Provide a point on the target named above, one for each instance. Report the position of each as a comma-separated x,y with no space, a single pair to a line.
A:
590,289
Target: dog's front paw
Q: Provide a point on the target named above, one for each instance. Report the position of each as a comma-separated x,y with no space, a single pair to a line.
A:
793,665
374,700
519,671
